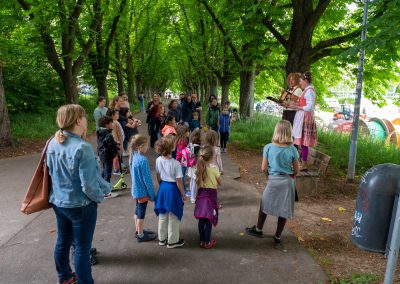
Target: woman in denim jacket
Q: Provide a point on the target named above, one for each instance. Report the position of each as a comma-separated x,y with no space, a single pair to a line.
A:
75,191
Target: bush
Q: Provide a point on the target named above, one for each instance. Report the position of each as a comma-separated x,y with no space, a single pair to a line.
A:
254,133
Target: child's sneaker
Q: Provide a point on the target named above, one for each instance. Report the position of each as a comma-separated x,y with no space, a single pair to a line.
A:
254,232
146,237
110,195
116,172
192,200
180,243
162,243
211,244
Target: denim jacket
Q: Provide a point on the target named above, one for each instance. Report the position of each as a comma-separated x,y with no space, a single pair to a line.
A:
74,172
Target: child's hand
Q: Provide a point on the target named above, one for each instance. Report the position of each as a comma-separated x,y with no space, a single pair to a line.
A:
184,198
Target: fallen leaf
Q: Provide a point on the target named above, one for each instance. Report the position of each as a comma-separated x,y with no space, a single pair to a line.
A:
322,238
53,230
326,219
300,239
242,234
341,209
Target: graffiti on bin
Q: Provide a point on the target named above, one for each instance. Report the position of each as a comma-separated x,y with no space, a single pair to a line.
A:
355,231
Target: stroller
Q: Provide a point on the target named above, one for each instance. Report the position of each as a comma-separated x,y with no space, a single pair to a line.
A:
121,184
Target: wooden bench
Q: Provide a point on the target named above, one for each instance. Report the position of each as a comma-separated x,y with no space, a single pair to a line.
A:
307,182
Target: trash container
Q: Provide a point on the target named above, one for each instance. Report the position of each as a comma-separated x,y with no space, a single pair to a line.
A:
377,191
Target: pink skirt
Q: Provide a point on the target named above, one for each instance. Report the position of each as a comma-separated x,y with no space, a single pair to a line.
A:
309,131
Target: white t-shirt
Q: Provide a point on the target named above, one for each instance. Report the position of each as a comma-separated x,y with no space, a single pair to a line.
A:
169,169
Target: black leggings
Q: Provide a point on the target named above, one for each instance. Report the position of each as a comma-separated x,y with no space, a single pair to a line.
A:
223,139
205,228
279,228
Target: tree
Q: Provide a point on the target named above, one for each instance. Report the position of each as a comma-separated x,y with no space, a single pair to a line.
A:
5,130
60,24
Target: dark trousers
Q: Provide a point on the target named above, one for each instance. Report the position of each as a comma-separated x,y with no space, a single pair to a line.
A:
107,169
223,139
75,225
205,228
153,134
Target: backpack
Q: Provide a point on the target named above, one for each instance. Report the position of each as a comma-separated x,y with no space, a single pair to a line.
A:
188,158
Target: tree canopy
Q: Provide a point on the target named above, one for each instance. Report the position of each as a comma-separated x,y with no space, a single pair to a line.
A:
239,50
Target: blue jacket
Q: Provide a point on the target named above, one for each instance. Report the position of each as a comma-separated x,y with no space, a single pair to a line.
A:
142,184
224,123
75,175
194,124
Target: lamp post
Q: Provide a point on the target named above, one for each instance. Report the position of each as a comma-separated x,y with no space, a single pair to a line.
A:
356,117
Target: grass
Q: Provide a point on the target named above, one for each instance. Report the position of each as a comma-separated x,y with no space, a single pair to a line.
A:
254,133
38,126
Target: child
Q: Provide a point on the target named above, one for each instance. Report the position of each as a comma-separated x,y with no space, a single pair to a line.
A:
100,110
142,184
195,142
195,122
106,146
181,143
169,127
160,119
212,140
119,137
224,124
170,197
206,210
280,163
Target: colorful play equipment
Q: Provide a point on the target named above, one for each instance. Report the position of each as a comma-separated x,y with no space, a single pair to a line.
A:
377,128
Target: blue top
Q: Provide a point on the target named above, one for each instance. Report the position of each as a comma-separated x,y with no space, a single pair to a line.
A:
280,158
75,175
224,122
194,124
142,184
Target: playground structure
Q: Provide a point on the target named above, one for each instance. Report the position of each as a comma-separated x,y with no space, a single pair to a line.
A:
377,128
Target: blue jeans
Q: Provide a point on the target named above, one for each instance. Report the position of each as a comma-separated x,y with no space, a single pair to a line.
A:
140,211
75,225
183,178
107,169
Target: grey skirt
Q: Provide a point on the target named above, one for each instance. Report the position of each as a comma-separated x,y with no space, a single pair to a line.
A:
278,197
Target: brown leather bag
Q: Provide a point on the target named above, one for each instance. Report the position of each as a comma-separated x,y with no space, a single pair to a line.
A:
37,197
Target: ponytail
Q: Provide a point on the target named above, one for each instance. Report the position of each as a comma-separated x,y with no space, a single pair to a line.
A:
206,153
60,136
67,116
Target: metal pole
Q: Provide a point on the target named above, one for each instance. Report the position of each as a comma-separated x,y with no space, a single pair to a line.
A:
353,145
394,248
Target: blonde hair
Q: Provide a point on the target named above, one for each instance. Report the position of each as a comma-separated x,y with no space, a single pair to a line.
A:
113,103
67,116
212,138
283,133
206,154
137,141
195,137
181,133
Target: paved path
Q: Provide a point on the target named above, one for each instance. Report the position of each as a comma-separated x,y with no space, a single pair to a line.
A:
27,242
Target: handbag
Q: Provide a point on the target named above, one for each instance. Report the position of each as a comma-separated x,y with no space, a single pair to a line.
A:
37,196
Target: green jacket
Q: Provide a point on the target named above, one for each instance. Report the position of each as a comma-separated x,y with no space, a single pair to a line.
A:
212,117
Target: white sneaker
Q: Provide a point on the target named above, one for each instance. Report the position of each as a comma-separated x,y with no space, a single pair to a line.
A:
110,195
192,200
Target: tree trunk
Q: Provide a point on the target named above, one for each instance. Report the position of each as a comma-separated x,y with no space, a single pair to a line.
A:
119,68
246,98
5,130
225,90
129,72
213,86
299,60
101,84
70,87
138,84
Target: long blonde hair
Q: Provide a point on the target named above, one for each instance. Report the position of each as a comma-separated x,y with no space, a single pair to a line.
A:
211,138
205,156
113,103
67,116
283,133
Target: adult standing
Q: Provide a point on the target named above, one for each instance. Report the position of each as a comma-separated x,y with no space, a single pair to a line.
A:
141,101
151,119
174,111
213,113
294,88
197,105
188,107
304,126
100,110
76,189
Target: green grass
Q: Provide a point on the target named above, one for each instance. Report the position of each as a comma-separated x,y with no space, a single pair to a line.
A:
254,133
357,278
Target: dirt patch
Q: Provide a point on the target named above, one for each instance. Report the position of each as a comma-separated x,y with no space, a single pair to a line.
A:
327,240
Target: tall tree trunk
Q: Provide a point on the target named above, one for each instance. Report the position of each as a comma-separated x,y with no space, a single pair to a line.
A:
246,98
101,84
138,84
129,71
299,60
225,90
5,129
213,85
119,68
70,88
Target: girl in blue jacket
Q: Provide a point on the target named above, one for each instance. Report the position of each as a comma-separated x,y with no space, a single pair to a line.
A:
224,127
